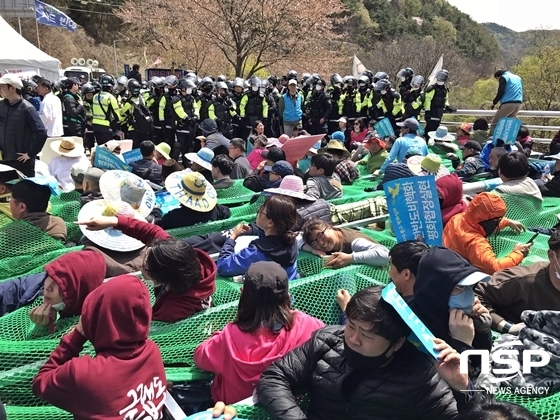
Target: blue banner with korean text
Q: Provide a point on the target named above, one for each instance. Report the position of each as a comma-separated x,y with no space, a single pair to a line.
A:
506,130
414,209
133,155
51,16
384,128
104,159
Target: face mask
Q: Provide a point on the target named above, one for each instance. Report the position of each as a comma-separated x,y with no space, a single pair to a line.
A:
166,90
358,361
189,91
318,88
463,301
208,89
402,78
383,92
440,82
254,88
490,226
58,307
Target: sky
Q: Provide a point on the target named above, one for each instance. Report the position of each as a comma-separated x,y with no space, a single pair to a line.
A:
518,15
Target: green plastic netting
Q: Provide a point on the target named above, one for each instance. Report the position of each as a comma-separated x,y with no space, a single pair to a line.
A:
235,194
66,206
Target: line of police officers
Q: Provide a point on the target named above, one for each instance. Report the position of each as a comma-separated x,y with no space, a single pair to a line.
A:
168,109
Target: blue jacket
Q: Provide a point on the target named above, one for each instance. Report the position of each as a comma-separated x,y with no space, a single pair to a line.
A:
485,154
19,292
292,113
267,248
401,146
514,88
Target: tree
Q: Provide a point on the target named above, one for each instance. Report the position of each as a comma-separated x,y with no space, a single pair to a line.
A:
250,35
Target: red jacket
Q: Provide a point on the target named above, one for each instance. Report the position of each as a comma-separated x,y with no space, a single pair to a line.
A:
125,379
169,306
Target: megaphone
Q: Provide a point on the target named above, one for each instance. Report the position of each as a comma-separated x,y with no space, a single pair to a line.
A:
74,61
95,63
89,62
81,61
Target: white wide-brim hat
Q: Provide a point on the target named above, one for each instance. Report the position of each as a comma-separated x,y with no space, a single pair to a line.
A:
192,190
110,238
110,185
203,157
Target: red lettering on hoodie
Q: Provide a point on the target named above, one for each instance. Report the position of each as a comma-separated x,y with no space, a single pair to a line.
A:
125,379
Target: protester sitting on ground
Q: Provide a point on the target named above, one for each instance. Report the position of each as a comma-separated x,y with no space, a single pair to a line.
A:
113,146
480,131
345,245
199,202
68,280
443,140
122,254
90,186
201,162
125,186
255,157
277,172
259,179
147,167
339,135
241,166
345,168
357,134
525,141
497,410
399,170
256,130
368,362
376,154
513,169
184,277
299,131
323,182
464,133
491,160
276,242
408,140
77,172
116,320
161,153
304,163
444,300
29,203
307,206
468,233
168,167
450,195
344,129
214,139
265,329
69,153
534,287
428,165
552,187
8,177
222,166
472,163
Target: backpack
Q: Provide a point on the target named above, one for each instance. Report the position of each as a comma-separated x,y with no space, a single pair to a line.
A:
141,118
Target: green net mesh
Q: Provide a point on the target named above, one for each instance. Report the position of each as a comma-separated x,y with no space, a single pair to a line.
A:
235,194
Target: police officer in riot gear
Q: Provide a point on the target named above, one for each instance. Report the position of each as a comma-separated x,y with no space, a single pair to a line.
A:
73,113
320,108
390,103
105,121
335,92
414,98
224,109
236,95
186,128
436,101
206,99
88,90
253,106
405,76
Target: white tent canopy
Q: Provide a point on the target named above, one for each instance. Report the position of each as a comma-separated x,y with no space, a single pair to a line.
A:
18,55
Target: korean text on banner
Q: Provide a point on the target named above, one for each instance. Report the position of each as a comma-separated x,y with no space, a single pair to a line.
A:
414,209
51,16
384,128
104,159
421,336
506,130
133,155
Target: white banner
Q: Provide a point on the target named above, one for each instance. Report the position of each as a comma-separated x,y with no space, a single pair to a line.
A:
357,67
438,67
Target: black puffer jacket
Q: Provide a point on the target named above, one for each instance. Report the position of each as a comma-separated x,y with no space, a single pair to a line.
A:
408,388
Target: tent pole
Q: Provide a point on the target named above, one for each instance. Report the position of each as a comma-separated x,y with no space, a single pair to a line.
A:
19,23
38,40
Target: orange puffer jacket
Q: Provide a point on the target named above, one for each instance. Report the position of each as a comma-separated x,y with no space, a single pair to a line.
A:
464,235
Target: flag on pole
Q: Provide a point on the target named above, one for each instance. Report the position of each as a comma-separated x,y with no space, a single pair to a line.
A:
438,67
51,16
357,67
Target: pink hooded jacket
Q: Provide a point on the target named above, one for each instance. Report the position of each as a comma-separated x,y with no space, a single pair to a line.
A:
238,358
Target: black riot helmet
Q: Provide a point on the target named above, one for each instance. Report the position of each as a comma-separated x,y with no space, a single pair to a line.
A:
172,81
134,87
336,79
186,84
292,74
405,73
442,75
107,82
380,75
382,85
368,74
255,83
88,88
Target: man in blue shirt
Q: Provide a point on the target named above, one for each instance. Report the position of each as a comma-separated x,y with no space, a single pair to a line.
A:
409,139
510,96
147,167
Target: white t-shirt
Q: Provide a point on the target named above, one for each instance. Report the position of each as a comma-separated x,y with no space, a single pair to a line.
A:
60,168
51,115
